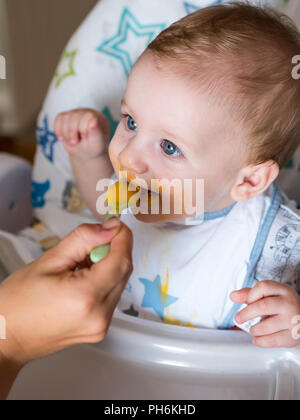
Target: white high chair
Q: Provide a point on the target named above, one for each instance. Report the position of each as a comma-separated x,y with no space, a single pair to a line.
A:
139,359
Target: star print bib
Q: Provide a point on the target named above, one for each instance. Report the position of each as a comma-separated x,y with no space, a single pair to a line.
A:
184,275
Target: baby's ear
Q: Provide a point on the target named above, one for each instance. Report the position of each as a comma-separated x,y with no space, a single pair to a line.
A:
254,180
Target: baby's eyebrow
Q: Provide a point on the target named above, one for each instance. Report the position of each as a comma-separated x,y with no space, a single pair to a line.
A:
124,103
171,136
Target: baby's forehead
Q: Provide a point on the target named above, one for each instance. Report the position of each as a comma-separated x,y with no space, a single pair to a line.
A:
159,81
208,78
167,103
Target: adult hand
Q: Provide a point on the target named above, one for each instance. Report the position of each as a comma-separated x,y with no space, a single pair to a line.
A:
61,300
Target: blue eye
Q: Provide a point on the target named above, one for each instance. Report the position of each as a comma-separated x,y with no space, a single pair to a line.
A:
131,124
170,149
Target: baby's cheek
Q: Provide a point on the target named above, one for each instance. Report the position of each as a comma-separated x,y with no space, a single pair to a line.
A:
175,206
193,199
114,158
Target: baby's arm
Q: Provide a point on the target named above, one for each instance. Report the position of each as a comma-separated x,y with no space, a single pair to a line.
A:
85,134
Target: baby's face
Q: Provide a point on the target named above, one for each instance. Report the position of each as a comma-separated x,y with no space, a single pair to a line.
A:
170,130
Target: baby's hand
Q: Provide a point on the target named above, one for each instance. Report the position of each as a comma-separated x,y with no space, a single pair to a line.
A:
279,306
84,132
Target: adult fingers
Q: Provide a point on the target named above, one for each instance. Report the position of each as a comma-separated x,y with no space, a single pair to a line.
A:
77,246
116,268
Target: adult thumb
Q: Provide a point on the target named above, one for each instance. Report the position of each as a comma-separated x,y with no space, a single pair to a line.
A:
77,246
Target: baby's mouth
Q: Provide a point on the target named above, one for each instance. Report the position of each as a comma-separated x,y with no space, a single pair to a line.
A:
145,190
139,185
147,197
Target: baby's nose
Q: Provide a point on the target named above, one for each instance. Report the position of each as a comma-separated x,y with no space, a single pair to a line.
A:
133,163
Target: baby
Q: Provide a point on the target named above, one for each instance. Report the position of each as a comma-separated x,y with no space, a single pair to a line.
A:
211,98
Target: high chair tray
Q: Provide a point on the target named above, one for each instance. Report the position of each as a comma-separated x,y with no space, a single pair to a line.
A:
144,360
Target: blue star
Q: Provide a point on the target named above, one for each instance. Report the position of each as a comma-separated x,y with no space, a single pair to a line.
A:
290,164
38,193
190,7
153,297
47,140
129,25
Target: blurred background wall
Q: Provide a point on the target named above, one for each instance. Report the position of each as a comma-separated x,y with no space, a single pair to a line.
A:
33,34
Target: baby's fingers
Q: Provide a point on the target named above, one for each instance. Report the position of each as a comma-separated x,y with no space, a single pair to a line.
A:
58,127
88,122
269,326
280,339
267,288
240,296
74,135
64,127
264,307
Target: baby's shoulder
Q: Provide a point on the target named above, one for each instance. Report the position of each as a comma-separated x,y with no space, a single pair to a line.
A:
288,210
285,230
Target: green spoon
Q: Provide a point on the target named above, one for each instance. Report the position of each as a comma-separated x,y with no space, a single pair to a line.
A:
99,253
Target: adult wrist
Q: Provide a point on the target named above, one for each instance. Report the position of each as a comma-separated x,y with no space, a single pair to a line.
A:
10,347
9,370
10,356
